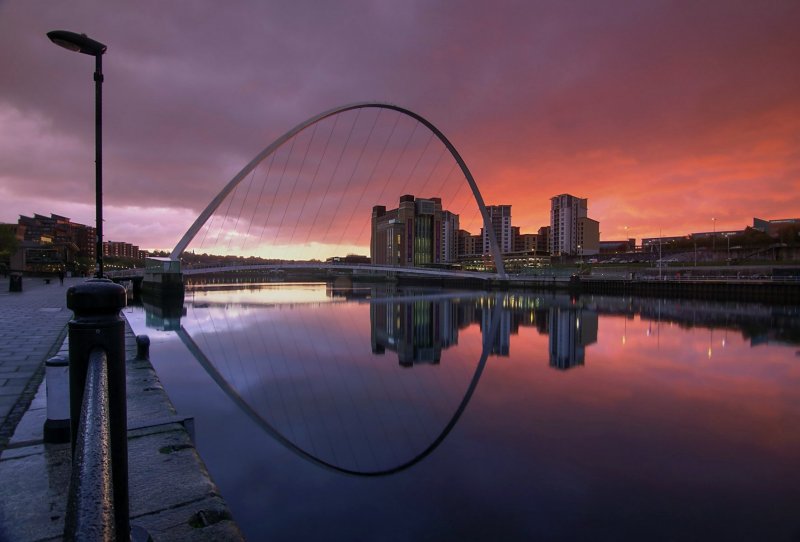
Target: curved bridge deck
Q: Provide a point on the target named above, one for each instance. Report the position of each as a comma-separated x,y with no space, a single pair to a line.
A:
382,270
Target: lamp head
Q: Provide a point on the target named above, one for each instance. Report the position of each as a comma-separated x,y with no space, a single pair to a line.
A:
80,43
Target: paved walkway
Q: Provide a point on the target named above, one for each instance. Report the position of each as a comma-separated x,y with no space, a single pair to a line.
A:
172,497
32,327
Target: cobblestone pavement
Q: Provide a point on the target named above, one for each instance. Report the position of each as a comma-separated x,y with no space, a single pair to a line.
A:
32,327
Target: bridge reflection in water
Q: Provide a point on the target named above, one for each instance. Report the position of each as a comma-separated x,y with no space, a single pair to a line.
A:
368,381
626,415
320,400
369,400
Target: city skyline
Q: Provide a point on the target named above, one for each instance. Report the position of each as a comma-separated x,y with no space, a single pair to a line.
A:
451,245
600,101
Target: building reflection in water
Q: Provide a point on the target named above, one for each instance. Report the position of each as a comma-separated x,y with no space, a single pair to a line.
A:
418,328
500,343
307,377
418,324
571,331
307,371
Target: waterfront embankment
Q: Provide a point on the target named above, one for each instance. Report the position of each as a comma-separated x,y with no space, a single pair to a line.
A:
172,496
32,327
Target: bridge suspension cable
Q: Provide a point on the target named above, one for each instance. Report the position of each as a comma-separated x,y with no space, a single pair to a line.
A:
327,184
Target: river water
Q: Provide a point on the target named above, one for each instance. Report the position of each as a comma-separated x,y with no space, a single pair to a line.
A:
419,414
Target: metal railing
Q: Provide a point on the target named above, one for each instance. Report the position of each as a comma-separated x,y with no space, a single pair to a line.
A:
693,278
90,504
97,504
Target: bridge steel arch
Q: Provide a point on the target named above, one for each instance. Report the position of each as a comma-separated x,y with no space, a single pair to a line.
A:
275,145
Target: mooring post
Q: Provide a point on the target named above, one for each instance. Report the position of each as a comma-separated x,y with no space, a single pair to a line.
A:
56,426
142,347
96,305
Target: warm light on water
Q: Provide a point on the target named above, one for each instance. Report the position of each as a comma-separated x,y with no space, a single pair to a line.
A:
491,416
261,294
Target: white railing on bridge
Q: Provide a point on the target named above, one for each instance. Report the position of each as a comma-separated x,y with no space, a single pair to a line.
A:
124,273
367,268
451,273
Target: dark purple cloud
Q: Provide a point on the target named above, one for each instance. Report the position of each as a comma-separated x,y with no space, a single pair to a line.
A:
593,98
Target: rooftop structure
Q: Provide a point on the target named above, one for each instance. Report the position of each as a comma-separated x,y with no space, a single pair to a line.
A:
771,227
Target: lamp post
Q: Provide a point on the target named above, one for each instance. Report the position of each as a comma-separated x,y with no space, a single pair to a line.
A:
728,238
81,43
630,246
714,237
660,263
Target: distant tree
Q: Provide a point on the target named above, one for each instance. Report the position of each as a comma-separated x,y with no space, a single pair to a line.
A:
83,266
789,234
752,237
8,242
123,263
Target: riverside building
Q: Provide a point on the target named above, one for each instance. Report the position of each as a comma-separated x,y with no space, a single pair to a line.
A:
59,230
572,232
500,218
417,233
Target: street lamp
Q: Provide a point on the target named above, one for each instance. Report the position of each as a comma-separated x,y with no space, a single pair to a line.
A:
660,263
714,237
81,43
628,240
728,237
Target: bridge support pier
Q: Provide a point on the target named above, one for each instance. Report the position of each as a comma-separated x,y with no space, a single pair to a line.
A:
162,277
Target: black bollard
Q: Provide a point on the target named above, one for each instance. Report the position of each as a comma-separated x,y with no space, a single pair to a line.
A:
142,347
15,282
96,305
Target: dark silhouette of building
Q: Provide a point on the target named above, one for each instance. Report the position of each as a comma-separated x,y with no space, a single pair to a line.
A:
59,230
572,329
53,243
408,236
121,249
416,330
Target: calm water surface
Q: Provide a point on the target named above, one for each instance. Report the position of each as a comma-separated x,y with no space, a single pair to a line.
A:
415,414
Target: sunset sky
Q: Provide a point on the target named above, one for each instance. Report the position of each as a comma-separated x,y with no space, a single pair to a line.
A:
663,114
